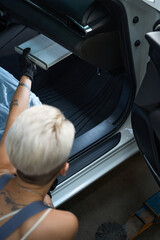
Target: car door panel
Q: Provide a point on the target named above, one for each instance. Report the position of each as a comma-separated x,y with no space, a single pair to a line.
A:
146,109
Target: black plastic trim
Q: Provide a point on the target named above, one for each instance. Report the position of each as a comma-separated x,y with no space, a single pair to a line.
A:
90,156
92,136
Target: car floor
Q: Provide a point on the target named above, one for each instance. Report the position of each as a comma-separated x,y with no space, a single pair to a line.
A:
114,198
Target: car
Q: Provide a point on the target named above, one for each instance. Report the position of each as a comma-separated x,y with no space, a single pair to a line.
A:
96,86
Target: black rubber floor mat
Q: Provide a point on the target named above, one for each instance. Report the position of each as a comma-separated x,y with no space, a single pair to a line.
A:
84,97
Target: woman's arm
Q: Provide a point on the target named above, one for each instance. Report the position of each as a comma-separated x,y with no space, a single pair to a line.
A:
19,103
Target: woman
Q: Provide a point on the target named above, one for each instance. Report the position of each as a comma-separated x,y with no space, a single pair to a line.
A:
34,148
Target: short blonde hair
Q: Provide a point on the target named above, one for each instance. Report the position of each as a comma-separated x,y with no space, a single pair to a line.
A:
40,140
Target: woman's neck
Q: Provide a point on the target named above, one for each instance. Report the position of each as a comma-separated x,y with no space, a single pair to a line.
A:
37,191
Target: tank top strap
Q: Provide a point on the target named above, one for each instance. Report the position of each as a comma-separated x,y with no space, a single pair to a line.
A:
17,220
36,224
4,180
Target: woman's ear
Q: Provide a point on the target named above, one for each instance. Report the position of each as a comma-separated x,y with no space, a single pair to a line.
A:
64,169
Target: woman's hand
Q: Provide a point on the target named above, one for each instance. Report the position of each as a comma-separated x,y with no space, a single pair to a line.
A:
28,68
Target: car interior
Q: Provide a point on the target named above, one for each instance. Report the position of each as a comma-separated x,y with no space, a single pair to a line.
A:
95,86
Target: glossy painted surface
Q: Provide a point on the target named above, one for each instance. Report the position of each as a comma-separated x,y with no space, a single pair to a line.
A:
153,3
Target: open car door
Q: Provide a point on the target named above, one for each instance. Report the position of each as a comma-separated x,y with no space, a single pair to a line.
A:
95,86
146,110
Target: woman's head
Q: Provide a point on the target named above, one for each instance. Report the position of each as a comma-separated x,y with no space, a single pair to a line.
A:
39,141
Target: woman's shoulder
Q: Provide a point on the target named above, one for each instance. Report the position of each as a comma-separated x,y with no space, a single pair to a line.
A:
62,224
63,216
57,224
